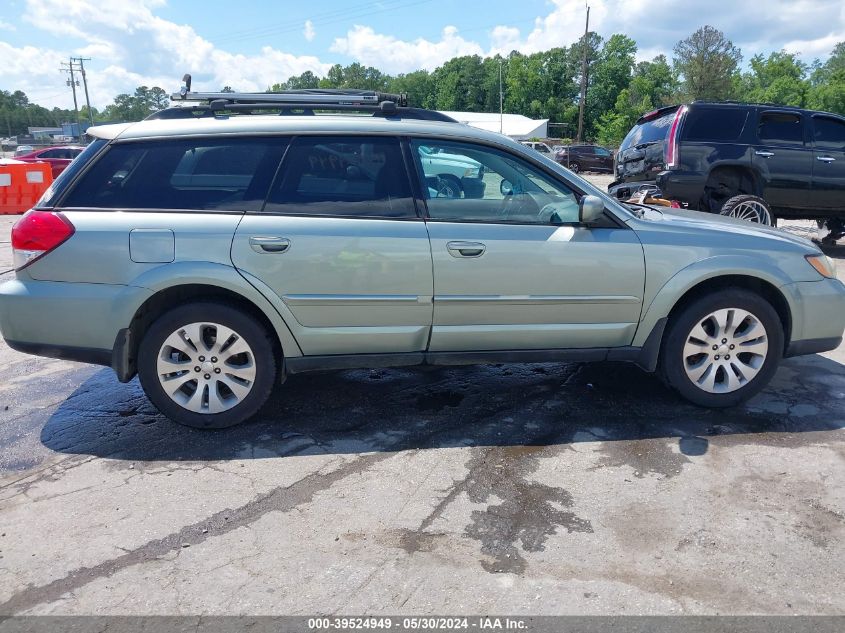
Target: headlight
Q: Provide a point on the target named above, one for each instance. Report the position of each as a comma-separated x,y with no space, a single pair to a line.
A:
823,264
472,172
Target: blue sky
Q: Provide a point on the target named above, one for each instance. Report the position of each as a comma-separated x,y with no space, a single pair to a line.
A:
251,44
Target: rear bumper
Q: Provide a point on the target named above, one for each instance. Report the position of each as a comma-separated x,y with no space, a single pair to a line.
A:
818,316
73,321
685,187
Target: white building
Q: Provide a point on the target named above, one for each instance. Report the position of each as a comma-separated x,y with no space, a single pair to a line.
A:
514,125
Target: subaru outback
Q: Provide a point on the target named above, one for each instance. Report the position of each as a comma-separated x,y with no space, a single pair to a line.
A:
217,248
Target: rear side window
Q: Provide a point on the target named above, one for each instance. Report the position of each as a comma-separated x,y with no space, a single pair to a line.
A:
351,176
60,184
781,128
203,174
716,125
649,131
829,133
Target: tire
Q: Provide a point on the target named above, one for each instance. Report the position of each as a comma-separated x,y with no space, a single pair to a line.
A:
575,168
746,207
720,377
449,186
207,393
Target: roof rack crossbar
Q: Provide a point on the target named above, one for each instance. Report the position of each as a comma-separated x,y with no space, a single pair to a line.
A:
321,97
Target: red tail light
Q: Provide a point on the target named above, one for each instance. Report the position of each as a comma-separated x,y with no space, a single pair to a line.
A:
36,234
671,154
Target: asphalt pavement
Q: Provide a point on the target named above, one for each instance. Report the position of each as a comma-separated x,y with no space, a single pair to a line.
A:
523,489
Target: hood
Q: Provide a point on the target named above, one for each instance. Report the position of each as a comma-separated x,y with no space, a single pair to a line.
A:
713,223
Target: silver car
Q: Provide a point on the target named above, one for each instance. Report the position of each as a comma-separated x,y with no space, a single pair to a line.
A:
214,255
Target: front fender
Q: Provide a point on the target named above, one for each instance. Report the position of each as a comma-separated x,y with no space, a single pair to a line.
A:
212,274
711,268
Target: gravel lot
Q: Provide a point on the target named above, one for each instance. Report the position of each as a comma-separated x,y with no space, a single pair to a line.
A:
526,489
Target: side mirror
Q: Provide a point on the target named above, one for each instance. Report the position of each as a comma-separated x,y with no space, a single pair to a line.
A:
590,209
506,188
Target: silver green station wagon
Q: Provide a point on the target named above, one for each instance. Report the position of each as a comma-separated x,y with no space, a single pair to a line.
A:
234,239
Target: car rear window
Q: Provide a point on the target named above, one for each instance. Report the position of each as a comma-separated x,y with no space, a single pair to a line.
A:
716,125
649,131
202,174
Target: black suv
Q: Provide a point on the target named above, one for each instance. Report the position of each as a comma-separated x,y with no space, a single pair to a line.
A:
580,158
756,162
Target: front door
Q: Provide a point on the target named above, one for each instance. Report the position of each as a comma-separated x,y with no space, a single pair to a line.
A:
514,270
829,164
340,244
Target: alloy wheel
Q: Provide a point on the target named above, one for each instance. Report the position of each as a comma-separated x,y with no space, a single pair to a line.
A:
752,211
206,367
725,350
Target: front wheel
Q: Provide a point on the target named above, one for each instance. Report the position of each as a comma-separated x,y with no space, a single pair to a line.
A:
207,365
723,348
750,208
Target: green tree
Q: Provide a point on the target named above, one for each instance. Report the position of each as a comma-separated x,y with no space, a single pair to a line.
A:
779,78
707,63
827,83
612,73
651,87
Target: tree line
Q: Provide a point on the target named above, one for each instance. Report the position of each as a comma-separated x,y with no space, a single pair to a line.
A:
705,65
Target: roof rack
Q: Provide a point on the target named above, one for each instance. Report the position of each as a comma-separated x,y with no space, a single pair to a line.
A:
299,102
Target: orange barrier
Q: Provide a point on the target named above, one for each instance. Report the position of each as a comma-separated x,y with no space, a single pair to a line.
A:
21,184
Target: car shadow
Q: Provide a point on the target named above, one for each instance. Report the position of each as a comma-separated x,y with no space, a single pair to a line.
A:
359,411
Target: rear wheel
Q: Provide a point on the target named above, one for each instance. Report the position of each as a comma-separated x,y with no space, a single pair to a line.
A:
750,208
723,348
574,168
207,365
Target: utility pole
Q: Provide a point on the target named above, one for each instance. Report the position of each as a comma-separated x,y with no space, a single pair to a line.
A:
85,85
72,82
501,100
583,80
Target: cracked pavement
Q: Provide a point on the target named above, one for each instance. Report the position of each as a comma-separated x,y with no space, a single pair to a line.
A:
524,489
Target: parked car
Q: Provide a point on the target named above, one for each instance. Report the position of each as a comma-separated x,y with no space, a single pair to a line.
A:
452,175
59,157
23,149
543,148
754,162
580,158
213,255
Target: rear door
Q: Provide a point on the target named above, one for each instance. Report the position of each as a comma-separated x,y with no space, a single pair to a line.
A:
829,163
783,158
341,245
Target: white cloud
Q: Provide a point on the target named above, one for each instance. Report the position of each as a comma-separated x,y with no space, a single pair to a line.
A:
309,31
7,26
393,55
809,27
131,46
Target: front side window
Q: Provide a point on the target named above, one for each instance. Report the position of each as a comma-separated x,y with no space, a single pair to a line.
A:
464,182
781,128
346,176
829,133
202,174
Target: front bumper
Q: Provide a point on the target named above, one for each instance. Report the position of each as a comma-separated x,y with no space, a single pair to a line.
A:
818,316
74,321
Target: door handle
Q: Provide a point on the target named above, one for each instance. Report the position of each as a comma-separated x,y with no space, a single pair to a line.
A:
466,249
825,159
764,154
262,244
